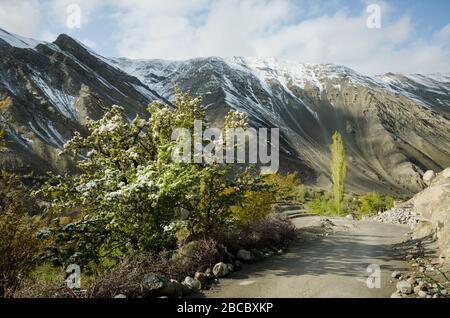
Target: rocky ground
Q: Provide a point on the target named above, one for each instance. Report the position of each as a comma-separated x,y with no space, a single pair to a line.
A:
405,215
156,285
427,250
323,263
408,243
428,275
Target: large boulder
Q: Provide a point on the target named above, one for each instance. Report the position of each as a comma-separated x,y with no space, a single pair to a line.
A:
192,283
244,255
257,254
446,173
433,206
220,270
428,177
201,277
404,287
155,285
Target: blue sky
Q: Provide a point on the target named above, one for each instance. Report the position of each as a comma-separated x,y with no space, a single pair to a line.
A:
414,36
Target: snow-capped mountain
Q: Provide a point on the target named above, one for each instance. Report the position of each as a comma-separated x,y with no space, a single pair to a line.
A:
49,90
395,126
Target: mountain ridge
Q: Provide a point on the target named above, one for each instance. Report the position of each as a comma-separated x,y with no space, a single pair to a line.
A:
395,126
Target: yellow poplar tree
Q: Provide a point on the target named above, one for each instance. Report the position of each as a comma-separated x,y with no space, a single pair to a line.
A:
338,171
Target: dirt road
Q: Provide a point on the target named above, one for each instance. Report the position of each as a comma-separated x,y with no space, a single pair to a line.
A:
333,266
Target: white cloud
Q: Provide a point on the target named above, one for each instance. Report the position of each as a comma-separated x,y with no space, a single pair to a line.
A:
159,29
21,17
228,27
48,36
59,10
89,43
173,29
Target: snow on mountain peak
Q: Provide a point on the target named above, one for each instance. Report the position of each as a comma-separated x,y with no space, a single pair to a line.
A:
300,74
17,40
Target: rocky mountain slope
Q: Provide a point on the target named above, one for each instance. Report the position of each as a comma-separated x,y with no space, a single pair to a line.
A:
394,126
49,90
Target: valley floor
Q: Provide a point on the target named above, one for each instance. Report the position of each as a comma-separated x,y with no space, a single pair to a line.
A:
334,266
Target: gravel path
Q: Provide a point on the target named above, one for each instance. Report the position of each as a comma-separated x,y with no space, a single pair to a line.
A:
331,266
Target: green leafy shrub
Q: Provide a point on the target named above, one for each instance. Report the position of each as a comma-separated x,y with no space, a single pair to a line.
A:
371,203
256,205
323,206
19,245
287,187
129,191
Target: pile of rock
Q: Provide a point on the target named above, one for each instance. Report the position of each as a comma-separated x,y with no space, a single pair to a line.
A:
433,204
409,285
398,216
156,285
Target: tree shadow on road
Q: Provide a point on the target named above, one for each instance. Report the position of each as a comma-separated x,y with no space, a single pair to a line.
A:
343,255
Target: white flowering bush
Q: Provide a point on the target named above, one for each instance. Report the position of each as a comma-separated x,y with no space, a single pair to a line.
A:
128,191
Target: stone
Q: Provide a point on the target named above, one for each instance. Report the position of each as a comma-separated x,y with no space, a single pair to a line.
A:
224,251
350,217
396,274
397,216
443,291
192,283
120,296
257,254
428,177
433,291
417,289
220,270
404,287
154,285
446,173
422,286
422,294
200,277
230,267
179,289
209,274
244,255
